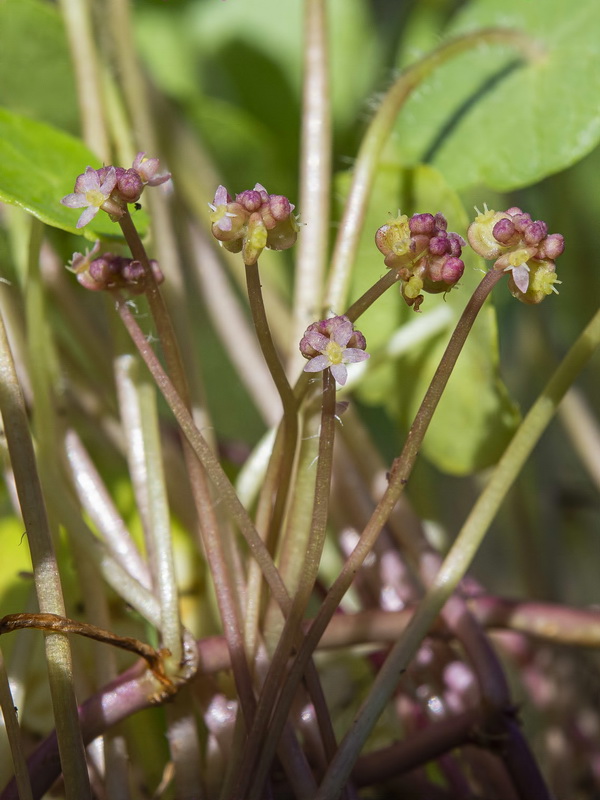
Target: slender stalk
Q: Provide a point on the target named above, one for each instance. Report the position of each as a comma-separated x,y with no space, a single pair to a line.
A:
460,556
377,135
97,503
399,475
159,524
9,713
288,400
209,529
218,477
289,635
79,29
315,172
33,510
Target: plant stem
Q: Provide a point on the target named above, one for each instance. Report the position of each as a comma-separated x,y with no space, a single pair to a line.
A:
79,30
460,556
315,172
288,400
399,475
13,732
249,772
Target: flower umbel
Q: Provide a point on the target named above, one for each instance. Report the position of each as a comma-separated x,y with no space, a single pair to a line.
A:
112,188
425,255
331,344
253,221
521,246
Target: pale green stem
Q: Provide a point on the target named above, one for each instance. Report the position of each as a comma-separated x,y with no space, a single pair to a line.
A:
298,519
363,178
13,732
46,575
98,505
218,477
79,27
460,556
256,739
315,174
159,528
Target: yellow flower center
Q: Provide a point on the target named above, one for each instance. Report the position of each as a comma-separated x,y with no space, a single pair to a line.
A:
334,352
519,257
95,197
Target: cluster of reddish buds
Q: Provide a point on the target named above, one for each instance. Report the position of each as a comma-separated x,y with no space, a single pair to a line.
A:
110,271
521,246
331,344
253,221
112,188
422,251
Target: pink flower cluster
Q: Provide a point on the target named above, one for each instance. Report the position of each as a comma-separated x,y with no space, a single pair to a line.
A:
112,188
331,344
110,271
519,245
253,221
422,251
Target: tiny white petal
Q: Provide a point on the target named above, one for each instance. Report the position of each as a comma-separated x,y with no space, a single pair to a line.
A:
353,354
521,277
317,364
340,373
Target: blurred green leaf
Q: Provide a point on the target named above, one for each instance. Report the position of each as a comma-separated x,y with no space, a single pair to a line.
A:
35,65
475,418
39,165
487,118
215,31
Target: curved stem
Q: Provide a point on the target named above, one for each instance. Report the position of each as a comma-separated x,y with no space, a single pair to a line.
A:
288,400
401,470
460,556
376,136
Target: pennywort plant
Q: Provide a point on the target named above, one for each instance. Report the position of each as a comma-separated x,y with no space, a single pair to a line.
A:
298,592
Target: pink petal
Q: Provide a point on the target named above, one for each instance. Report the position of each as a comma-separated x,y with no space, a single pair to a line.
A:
75,201
342,331
521,278
109,182
352,355
317,364
87,216
316,340
340,373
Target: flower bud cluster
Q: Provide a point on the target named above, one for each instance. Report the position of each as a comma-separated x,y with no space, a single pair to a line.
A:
253,221
331,344
112,188
423,252
110,271
519,245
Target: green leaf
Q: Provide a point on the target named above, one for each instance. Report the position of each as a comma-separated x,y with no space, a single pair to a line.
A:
39,165
475,418
486,117
219,33
35,63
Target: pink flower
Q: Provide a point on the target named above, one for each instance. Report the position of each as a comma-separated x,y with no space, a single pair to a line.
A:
326,344
91,192
147,168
